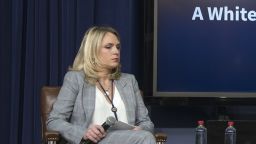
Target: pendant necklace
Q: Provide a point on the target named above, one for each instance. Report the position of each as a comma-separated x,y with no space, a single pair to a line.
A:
107,94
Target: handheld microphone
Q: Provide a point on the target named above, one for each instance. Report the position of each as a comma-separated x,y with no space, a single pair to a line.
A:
108,123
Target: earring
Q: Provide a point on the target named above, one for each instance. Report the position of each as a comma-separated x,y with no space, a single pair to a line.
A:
93,61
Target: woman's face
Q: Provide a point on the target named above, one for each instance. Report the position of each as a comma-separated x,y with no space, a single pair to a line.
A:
109,53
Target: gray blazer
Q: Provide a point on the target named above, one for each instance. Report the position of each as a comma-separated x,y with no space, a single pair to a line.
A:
73,110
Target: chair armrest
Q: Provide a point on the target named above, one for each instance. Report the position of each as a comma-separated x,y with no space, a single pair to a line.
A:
161,138
52,136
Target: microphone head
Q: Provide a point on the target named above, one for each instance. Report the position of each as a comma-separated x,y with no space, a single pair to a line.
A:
110,121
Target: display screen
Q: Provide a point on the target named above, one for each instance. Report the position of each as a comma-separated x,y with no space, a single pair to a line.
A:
205,48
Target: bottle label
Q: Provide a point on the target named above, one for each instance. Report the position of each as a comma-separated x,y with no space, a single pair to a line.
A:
201,137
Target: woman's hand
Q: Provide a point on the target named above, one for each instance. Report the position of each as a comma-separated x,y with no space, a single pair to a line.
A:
137,128
95,133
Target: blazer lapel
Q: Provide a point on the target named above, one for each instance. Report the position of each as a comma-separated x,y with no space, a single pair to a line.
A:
125,94
88,102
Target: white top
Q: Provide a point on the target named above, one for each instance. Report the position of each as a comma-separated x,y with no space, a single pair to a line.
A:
103,108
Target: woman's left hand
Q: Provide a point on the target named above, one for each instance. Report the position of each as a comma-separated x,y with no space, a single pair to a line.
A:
137,128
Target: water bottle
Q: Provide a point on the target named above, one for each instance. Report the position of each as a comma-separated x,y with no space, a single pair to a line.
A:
230,133
201,133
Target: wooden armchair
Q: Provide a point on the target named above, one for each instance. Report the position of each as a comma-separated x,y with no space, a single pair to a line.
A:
48,97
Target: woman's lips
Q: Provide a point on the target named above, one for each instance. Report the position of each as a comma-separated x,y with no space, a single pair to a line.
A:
115,59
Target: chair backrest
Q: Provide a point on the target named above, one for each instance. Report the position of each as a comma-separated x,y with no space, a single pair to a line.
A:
48,97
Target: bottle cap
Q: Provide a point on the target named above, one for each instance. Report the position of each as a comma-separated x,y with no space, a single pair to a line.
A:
200,122
230,123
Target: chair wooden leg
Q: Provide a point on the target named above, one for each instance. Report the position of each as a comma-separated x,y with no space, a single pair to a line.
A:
52,137
161,138
52,142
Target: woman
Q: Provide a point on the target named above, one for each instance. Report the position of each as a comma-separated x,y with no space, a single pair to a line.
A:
95,89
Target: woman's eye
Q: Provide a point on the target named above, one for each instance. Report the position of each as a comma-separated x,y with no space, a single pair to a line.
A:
108,46
118,46
112,45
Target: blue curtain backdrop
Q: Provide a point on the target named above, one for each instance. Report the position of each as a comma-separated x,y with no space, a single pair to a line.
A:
39,40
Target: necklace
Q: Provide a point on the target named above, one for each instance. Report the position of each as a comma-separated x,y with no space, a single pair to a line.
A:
106,94
107,90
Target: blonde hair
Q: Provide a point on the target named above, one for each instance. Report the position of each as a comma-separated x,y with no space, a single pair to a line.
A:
87,59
